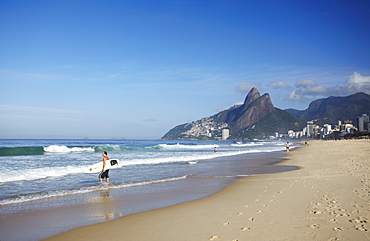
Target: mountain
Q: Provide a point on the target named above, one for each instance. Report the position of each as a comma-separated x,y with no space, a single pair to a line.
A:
256,118
330,110
255,107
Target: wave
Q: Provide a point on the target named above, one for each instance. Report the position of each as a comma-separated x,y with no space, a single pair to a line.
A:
62,149
179,146
58,149
246,144
21,151
65,149
51,194
113,148
40,173
30,174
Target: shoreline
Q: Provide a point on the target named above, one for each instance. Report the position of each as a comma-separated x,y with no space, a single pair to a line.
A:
48,217
325,199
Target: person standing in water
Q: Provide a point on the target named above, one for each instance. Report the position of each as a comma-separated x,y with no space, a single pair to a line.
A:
287,145
104,174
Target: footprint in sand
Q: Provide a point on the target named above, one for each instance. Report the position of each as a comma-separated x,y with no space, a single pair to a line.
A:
315,212
226,224
239,214
259,211
338,229
251,219
214,237
333,239
361,228
361,219
245,228
360,223
333,220
315,226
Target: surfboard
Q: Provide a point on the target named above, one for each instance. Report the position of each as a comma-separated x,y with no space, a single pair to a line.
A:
112,163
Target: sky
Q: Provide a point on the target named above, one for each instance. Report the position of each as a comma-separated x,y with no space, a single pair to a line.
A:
137,68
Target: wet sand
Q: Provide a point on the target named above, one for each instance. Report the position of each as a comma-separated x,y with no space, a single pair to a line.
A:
328,198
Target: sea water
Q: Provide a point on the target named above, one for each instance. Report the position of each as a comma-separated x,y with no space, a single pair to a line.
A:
38,169
43,187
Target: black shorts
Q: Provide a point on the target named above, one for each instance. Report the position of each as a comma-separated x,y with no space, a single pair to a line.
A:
104,174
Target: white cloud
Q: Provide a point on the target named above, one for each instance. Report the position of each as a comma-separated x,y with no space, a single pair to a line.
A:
278,84
306,83
294,96
357,83
314,90
307,87
310,88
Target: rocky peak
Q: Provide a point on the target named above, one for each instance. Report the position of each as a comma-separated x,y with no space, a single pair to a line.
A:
253,95
255,107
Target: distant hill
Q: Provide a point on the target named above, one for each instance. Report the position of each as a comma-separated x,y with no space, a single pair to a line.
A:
256,118
330,110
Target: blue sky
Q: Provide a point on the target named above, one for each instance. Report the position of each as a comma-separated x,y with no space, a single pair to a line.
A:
135,69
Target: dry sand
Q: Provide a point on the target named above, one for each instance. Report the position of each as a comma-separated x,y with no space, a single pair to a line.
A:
328,198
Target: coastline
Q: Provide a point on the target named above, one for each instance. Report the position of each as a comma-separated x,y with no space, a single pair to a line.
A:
51,216
326,199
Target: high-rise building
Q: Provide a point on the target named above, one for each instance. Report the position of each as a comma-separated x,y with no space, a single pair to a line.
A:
225,134
310,129
327,129
363,122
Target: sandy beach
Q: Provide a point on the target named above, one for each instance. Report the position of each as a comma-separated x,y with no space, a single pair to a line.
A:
328,198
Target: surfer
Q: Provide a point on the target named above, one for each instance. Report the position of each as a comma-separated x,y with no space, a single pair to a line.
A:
104,174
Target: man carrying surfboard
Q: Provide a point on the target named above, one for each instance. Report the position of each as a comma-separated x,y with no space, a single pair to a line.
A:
104,173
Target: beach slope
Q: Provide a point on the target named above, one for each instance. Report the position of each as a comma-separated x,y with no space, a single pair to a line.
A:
326,199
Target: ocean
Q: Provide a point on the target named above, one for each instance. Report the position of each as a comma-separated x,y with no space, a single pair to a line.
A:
38,172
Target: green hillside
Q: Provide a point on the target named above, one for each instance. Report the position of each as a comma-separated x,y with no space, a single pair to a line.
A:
332,109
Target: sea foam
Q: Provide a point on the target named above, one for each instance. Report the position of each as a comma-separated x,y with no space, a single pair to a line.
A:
60,193
65,149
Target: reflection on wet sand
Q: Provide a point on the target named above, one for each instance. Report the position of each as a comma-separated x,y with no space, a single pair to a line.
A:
102,206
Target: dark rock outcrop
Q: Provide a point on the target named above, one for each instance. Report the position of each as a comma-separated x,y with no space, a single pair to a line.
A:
255,107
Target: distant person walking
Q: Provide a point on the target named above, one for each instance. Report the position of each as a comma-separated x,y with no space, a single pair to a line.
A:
104,174
287,145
